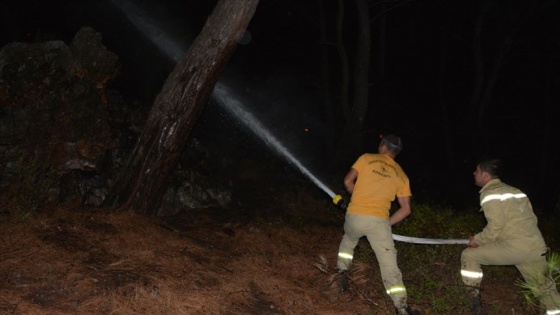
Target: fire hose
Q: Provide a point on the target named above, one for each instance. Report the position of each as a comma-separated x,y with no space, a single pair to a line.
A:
337,200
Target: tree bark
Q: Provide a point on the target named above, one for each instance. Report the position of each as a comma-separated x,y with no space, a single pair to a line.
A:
478,82
344,67
361,69
326,78
350,143
178,106
445,118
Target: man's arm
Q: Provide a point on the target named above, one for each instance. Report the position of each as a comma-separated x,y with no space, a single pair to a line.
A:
403,212
494,213
472,242
350,180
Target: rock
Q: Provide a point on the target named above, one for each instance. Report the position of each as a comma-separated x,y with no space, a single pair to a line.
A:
53,103
97,64
56,110
90,187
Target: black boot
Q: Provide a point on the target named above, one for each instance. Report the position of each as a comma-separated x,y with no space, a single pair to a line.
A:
342,280
407,311
472,294
476,303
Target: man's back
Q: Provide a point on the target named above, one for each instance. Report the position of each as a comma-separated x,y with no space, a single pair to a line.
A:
510,216
379,180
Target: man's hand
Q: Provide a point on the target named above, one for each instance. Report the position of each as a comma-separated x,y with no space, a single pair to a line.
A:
401,213
472,243
350,180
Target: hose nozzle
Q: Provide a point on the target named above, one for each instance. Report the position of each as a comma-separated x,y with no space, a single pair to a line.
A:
337,200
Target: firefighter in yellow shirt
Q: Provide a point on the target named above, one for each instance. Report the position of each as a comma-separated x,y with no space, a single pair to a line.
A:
511,237
374,181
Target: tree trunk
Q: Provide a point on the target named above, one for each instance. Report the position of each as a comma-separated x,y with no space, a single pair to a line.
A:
478,82
350,142
178,106
326,78
445,119
344,67
361,74
381,42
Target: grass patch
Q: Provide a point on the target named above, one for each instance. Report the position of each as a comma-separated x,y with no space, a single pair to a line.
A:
31,187
431,273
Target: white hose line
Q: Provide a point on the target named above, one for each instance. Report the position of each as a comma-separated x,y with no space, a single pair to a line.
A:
434,241
337,200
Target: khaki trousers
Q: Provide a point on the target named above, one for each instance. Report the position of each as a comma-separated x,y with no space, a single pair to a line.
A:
532,266
378,233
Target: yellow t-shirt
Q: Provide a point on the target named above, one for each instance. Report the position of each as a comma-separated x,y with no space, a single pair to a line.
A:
379,180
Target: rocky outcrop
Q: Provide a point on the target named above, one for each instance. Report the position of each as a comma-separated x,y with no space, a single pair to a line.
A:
64,134
53,105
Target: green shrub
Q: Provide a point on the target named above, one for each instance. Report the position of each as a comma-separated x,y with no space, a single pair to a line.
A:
32,182
435,221
442,290
530,291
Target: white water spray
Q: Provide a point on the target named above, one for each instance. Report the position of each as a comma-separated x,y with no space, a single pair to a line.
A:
235,107
225,98
151,29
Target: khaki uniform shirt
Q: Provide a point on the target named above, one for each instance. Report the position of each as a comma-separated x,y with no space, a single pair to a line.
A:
510,217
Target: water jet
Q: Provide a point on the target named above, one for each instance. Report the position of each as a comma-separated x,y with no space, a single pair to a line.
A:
227,100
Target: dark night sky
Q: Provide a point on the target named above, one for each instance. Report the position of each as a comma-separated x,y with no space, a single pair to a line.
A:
278,73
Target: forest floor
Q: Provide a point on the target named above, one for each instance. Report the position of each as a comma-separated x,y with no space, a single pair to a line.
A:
211,261
75,260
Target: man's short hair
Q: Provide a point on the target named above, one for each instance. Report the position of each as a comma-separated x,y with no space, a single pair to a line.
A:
492,166
393,143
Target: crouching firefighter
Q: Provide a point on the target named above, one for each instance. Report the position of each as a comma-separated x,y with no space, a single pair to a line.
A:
511,237
373,181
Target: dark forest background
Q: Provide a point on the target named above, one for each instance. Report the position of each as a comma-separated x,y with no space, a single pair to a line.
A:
455,80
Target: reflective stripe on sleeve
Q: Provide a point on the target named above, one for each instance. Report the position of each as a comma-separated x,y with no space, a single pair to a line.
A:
502,197
345,256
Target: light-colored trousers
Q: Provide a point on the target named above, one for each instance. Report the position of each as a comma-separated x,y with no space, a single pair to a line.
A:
531,264
378,233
